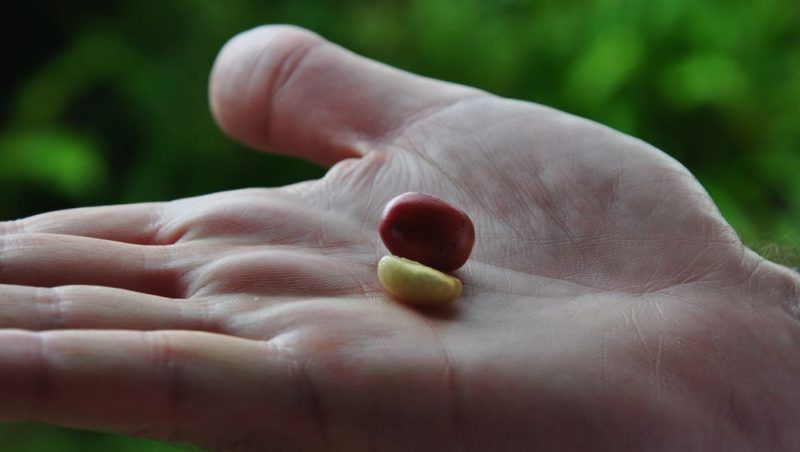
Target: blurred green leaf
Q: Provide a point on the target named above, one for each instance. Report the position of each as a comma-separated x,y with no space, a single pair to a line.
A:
704,79
27,437
47,95
61,161
604,67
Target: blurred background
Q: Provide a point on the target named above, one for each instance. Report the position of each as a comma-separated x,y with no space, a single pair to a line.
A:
105,102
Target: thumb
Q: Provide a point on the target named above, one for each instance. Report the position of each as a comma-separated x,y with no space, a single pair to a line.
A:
285,89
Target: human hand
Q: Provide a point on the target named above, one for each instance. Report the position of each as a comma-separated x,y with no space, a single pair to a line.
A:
607,304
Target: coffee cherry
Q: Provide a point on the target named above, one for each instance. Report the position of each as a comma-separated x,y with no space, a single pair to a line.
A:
417,284
426,229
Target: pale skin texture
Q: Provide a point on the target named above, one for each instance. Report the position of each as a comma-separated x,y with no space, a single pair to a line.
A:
606,304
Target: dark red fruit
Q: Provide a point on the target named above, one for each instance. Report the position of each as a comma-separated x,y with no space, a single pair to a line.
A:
426,229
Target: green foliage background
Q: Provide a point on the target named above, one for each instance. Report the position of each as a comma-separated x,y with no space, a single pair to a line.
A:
106,102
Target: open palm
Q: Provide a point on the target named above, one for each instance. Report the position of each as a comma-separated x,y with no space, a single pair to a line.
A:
607,304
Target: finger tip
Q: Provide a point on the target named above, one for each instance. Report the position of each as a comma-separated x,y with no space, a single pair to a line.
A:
248,70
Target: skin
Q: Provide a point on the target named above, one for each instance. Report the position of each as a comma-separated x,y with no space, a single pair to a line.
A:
607,304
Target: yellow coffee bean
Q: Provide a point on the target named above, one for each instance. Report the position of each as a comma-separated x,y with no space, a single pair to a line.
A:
415,283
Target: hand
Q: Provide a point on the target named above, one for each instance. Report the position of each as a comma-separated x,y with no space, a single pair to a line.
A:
607,304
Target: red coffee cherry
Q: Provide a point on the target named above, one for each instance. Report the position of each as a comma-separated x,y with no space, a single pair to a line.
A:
426,229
